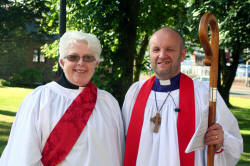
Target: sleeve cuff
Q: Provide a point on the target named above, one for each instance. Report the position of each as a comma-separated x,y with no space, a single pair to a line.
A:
219,151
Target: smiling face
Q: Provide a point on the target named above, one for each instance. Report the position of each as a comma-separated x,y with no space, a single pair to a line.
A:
79,72
166,53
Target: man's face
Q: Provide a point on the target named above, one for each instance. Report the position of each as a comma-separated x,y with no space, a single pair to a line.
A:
166,54
79,72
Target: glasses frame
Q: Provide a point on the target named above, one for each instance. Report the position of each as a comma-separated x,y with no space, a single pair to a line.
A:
76,58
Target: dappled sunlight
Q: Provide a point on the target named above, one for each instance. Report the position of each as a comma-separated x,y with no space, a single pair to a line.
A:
6,118
245,157
245,132
241,110
4,134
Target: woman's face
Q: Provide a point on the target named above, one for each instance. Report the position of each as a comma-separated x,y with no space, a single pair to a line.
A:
79,64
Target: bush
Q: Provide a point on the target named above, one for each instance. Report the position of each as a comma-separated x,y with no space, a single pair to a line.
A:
28,77
3,82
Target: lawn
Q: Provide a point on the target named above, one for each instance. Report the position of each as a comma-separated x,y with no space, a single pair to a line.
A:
10,99
242,112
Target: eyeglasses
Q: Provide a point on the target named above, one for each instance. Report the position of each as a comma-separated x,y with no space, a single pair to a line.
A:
76,58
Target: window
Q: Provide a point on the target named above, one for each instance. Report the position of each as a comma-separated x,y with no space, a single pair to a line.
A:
38,56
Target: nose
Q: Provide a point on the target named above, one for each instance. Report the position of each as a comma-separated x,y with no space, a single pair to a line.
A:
162,54
81,61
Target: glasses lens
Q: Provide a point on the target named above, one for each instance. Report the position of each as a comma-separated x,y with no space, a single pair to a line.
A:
73,58
88,58
76,58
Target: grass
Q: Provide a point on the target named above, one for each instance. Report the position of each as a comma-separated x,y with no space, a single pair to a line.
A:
10,99
241,110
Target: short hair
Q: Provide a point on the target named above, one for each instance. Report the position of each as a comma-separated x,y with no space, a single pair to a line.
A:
70,38
172,29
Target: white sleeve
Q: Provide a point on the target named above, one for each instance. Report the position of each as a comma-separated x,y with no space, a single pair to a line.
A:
24,145
106,100
233,142
121,137
128,103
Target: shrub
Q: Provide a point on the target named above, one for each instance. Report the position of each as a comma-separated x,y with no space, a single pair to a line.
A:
3,82
28,77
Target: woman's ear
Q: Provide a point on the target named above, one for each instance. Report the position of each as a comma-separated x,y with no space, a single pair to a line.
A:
61,62
96,64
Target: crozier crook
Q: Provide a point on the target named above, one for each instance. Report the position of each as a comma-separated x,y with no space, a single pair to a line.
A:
211,59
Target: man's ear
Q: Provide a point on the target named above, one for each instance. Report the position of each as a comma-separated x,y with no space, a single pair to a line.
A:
183,54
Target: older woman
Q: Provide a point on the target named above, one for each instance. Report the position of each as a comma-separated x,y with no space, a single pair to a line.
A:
69,122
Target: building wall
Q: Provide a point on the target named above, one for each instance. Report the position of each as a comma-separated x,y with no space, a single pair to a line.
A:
15,55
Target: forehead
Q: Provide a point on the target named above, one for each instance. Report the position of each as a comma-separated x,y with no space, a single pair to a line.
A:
79,47
163,38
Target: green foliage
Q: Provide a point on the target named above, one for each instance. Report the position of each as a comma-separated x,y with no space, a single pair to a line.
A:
20,32
28,77
3,82
123,27
232,18
16,14
51,51
13,53
234,28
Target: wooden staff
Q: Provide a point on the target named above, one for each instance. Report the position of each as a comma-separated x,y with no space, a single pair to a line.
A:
211,59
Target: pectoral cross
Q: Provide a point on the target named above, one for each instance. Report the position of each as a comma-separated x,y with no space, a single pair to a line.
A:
157,121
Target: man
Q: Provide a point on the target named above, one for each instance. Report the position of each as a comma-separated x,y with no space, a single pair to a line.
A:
162,113
69,122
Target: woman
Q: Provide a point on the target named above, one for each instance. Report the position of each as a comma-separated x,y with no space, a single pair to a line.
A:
68,122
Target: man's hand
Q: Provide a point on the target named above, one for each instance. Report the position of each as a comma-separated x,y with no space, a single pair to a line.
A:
215,136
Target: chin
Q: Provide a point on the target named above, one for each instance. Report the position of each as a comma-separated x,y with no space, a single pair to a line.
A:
82,84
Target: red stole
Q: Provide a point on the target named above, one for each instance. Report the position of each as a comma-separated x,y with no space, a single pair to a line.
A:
185,121
70,126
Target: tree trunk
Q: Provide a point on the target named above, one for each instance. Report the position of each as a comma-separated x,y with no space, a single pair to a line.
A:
62,28
228,73
140,57
124,58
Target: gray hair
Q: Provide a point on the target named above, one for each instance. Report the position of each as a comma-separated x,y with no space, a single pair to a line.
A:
73,37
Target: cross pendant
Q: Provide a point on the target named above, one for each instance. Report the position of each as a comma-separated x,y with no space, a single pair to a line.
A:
157,121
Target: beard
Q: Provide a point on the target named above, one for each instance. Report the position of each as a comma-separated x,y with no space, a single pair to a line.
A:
170,71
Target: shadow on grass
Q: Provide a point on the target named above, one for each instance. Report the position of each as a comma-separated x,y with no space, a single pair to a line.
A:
8,113
245,157
2,146
246,143
4,133
243,117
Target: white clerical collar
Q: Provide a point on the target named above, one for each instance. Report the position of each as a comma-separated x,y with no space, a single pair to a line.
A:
81,87
166,85
165,82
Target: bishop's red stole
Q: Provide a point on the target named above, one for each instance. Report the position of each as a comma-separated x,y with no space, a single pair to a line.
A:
70,126
185,121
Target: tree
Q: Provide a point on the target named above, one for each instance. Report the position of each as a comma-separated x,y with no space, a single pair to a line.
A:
19,23
124,28
17,14
234,35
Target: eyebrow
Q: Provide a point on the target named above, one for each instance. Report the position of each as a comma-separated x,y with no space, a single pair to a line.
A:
75,53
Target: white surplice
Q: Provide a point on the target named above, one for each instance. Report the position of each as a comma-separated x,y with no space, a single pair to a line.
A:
161,149
100,144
